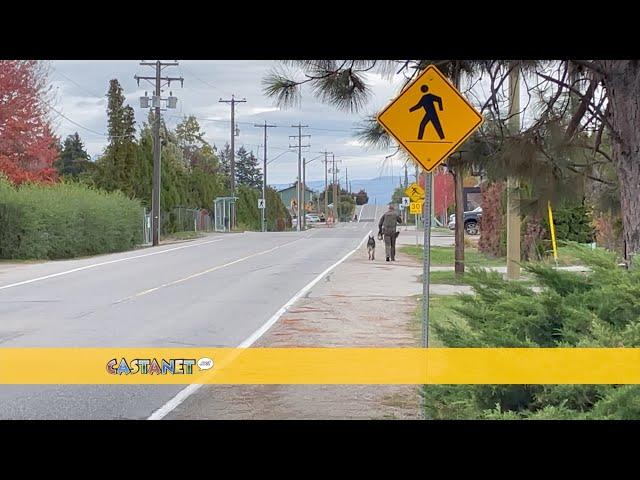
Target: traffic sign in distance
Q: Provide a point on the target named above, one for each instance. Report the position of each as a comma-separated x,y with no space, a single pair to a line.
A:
430,118
405,201
261,203
415,192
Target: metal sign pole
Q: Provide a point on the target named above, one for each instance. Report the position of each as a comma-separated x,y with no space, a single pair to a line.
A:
426,215
426,264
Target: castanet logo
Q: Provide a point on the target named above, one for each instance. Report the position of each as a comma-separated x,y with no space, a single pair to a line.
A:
154,366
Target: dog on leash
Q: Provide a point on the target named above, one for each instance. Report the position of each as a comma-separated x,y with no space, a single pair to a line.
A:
371,248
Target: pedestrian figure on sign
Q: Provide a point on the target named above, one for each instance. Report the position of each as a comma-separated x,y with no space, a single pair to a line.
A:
387,228
428,102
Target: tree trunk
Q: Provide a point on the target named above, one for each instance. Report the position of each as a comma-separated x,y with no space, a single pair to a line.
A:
623,90
459,238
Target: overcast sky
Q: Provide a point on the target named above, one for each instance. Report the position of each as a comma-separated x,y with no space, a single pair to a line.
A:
81,86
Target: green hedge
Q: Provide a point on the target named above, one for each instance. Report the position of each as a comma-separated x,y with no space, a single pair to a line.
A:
249,215
65,220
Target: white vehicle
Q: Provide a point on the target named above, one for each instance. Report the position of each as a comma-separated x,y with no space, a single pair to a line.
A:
312,218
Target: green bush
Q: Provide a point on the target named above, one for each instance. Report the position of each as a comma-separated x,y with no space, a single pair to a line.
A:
249,215
599,309
65,220
573,223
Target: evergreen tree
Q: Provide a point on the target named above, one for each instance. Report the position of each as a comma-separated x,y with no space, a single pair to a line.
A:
225,164
247,170
196,151
73,159
117,166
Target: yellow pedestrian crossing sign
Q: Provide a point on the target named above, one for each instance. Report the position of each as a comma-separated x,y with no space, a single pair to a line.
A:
430,118
415,192
415,208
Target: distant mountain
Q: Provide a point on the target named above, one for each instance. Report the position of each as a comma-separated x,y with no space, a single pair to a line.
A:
380,189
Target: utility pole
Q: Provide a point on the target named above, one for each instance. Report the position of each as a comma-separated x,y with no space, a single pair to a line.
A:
264,175
299,146
326,186
304,182
304,190
346,179
334,172
513,196
157,82
458,179
232,163
406,177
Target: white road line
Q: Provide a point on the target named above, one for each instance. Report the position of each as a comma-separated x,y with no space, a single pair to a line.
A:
191,389
204,272
86,267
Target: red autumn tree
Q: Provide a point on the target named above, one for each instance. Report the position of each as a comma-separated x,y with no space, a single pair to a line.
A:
27,144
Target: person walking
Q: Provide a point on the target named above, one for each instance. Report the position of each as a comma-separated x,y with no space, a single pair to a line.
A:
387,228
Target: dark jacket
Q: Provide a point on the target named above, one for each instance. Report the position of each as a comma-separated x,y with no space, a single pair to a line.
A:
388,222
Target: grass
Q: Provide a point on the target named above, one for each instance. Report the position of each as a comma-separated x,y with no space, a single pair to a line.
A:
446,278
450,278
566,256
444,256
440,310
19,261
188,235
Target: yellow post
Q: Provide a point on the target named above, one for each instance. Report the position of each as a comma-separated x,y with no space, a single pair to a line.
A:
553,233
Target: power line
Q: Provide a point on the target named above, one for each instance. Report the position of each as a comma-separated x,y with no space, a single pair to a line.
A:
201,80
76,83
251,123
278,156
76,123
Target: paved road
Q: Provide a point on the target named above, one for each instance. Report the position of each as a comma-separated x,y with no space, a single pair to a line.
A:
213,292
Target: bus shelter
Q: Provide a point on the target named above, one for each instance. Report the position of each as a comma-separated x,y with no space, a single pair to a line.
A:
223,208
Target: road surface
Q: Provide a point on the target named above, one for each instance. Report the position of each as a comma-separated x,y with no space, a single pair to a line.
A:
212,292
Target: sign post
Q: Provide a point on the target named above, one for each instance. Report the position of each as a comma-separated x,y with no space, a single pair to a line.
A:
426,256
430,119
261,206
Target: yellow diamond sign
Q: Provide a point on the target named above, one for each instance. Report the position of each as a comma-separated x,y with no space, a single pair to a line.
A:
430,118
415,192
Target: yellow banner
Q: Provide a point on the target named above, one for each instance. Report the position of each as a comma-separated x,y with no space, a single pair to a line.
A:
319,366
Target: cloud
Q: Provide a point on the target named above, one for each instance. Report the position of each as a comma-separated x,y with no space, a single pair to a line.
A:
82,86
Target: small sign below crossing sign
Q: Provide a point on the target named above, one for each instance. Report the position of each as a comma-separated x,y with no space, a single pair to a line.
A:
415,208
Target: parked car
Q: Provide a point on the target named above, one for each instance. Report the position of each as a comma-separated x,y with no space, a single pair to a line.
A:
312,218
471,221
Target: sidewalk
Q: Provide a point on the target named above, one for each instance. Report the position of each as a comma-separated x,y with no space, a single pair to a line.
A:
360,304
409,236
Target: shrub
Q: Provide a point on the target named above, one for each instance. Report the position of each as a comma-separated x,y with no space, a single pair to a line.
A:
601,309
249,215
573,223
65,220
